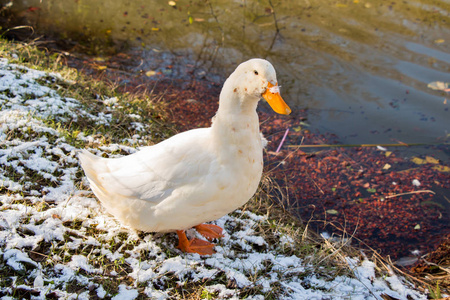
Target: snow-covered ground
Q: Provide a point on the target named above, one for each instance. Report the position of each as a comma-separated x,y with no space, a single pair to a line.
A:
57,241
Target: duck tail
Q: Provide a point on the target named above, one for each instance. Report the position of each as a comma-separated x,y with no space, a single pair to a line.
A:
89,162
93,165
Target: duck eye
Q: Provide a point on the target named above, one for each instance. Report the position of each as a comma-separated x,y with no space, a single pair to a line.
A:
256,72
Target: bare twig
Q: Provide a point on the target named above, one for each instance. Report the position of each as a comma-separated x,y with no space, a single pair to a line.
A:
409,193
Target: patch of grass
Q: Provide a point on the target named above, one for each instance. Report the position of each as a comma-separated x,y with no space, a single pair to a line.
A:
91,93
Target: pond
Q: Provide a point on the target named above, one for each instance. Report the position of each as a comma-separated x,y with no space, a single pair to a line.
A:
361,68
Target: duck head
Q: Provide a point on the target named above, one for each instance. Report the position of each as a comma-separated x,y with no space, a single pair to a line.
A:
256,79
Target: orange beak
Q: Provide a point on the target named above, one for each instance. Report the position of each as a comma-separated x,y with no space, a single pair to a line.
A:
273,97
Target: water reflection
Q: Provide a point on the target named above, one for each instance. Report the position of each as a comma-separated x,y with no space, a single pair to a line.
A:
344,60
332,57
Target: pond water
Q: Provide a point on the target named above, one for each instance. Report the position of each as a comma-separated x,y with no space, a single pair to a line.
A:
361,68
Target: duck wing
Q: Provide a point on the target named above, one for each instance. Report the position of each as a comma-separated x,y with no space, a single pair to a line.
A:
155,172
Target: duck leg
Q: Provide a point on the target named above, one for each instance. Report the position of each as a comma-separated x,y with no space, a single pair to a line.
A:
195,245
209,231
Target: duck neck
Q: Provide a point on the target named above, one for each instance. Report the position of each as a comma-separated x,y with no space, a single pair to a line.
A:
236,121
235,101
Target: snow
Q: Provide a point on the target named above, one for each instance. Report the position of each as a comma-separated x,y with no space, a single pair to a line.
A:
81,262
125,293
15,259
47,207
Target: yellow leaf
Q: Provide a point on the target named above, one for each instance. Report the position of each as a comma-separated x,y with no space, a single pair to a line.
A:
172,3
441,168
427,160
418,161
386,167
150,73
388,153
341,5
431,160
99,59
155,29
439,41
101,68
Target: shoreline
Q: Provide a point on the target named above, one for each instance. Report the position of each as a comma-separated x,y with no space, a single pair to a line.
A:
195,109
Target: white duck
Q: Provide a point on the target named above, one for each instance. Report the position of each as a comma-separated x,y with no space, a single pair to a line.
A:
195,176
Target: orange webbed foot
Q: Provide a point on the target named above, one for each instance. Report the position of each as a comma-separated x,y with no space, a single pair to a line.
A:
210,231
195,245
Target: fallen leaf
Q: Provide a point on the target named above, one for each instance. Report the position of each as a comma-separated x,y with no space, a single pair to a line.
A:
427,160
387,167
439,41
172,3
388,153
372,190
442,168
418,161
332,212
438,85
150,73
431,160
417,227
416,182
